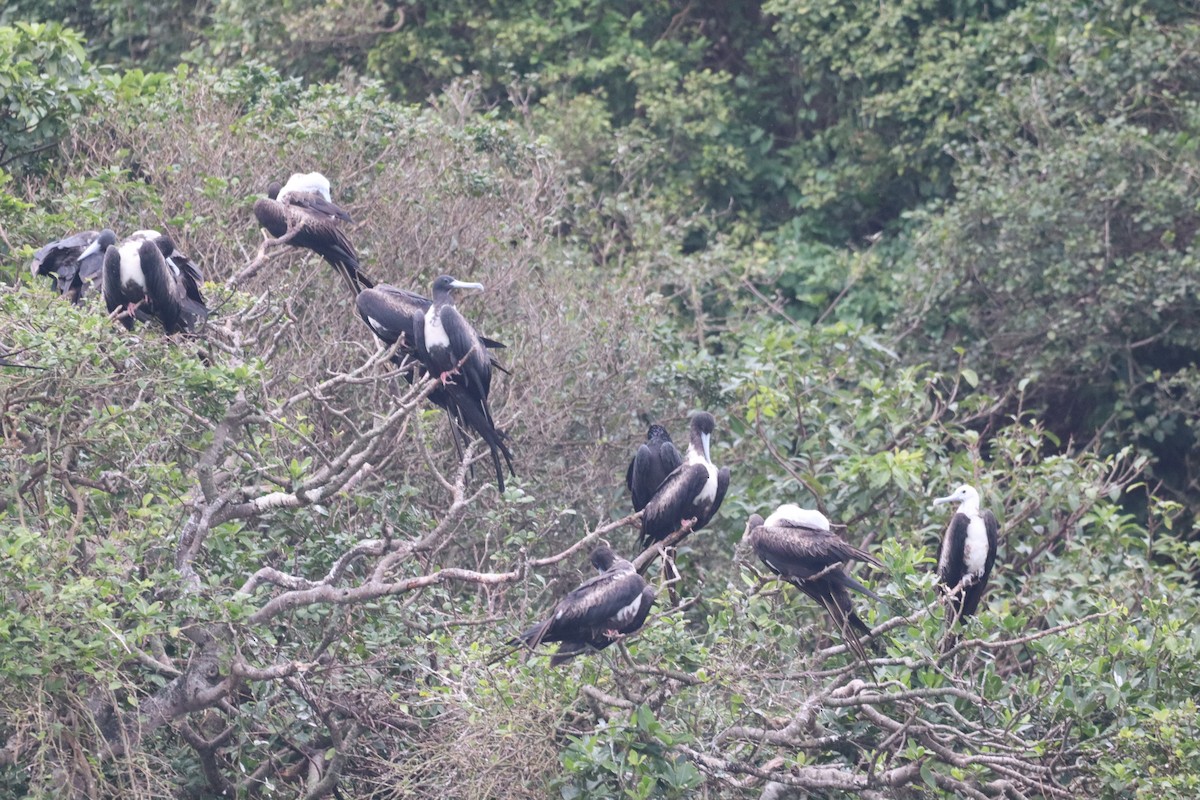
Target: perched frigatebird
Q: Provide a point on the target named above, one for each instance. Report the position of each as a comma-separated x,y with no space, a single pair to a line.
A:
693,491
304,205
967,551
604,608
62,261
654,461
798,545
146,274
395,315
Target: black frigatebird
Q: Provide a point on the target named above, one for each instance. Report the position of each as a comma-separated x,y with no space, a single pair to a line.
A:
603,609
798,545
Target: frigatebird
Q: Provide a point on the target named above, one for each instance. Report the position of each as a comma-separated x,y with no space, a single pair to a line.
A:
654,461
604,608
798,545
146,274
304,205
396,315
967,551
72,275
692,492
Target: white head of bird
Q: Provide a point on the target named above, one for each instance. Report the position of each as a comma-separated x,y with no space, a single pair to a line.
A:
966,497
792,514
300,182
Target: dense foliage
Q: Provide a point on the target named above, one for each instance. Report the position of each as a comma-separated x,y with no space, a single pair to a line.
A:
892,248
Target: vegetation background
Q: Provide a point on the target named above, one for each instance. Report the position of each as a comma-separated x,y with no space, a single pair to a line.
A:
892,247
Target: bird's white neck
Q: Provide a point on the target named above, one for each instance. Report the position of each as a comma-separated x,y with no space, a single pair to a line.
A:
969,506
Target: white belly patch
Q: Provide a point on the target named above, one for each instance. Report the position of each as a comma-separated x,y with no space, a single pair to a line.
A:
131,265
709,492
975,550
435,332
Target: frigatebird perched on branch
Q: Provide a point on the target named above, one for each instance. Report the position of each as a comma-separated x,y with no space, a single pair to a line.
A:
304,205
967,551
146,275
61,261
603,609
798,545
693,491
398,315
654,461
451,349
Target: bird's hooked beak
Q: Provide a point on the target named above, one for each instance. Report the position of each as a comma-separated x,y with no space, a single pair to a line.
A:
937,501
477,287
705,440
94,247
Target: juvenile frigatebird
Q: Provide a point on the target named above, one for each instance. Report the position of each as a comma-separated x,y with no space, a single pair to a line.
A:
304,204
693,491
146,274
798,545
73,276
967,551
603,609
654,461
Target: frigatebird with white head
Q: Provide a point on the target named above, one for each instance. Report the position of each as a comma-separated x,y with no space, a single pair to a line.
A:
304,205
798,545
967,551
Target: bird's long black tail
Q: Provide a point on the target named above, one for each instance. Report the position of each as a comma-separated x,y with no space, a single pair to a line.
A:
475,416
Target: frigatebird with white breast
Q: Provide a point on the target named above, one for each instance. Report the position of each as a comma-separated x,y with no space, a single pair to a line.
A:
397,315
603,609
146,276
967,551
393,315
453,351
692,492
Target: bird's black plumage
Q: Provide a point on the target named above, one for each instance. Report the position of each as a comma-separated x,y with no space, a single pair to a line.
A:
398,315
306,208
967,551
612,604
798,545
146,274
692,491
72,274
654,461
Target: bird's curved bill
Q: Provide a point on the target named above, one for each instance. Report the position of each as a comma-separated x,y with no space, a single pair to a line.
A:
92,248
478,287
